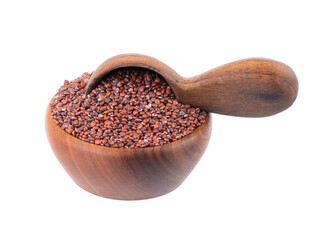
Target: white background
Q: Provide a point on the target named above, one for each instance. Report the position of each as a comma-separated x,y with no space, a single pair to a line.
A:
263,178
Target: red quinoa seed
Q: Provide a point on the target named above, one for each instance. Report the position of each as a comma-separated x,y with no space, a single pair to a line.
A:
130,108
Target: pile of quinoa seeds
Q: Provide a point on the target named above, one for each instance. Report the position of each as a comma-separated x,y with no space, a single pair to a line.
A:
130,108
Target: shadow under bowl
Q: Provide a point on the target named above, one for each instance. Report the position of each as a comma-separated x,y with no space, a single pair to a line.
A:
128,174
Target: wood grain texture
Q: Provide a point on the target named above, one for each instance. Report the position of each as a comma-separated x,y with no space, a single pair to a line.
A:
254,87
127,174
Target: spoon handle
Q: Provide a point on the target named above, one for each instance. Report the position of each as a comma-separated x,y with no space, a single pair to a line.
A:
254,87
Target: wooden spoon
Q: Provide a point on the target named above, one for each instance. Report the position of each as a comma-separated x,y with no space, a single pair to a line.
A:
254,87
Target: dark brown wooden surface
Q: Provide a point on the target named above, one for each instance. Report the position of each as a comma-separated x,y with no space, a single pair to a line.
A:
127,174
254,87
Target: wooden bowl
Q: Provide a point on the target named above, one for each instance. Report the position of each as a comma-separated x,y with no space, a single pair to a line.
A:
128,174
